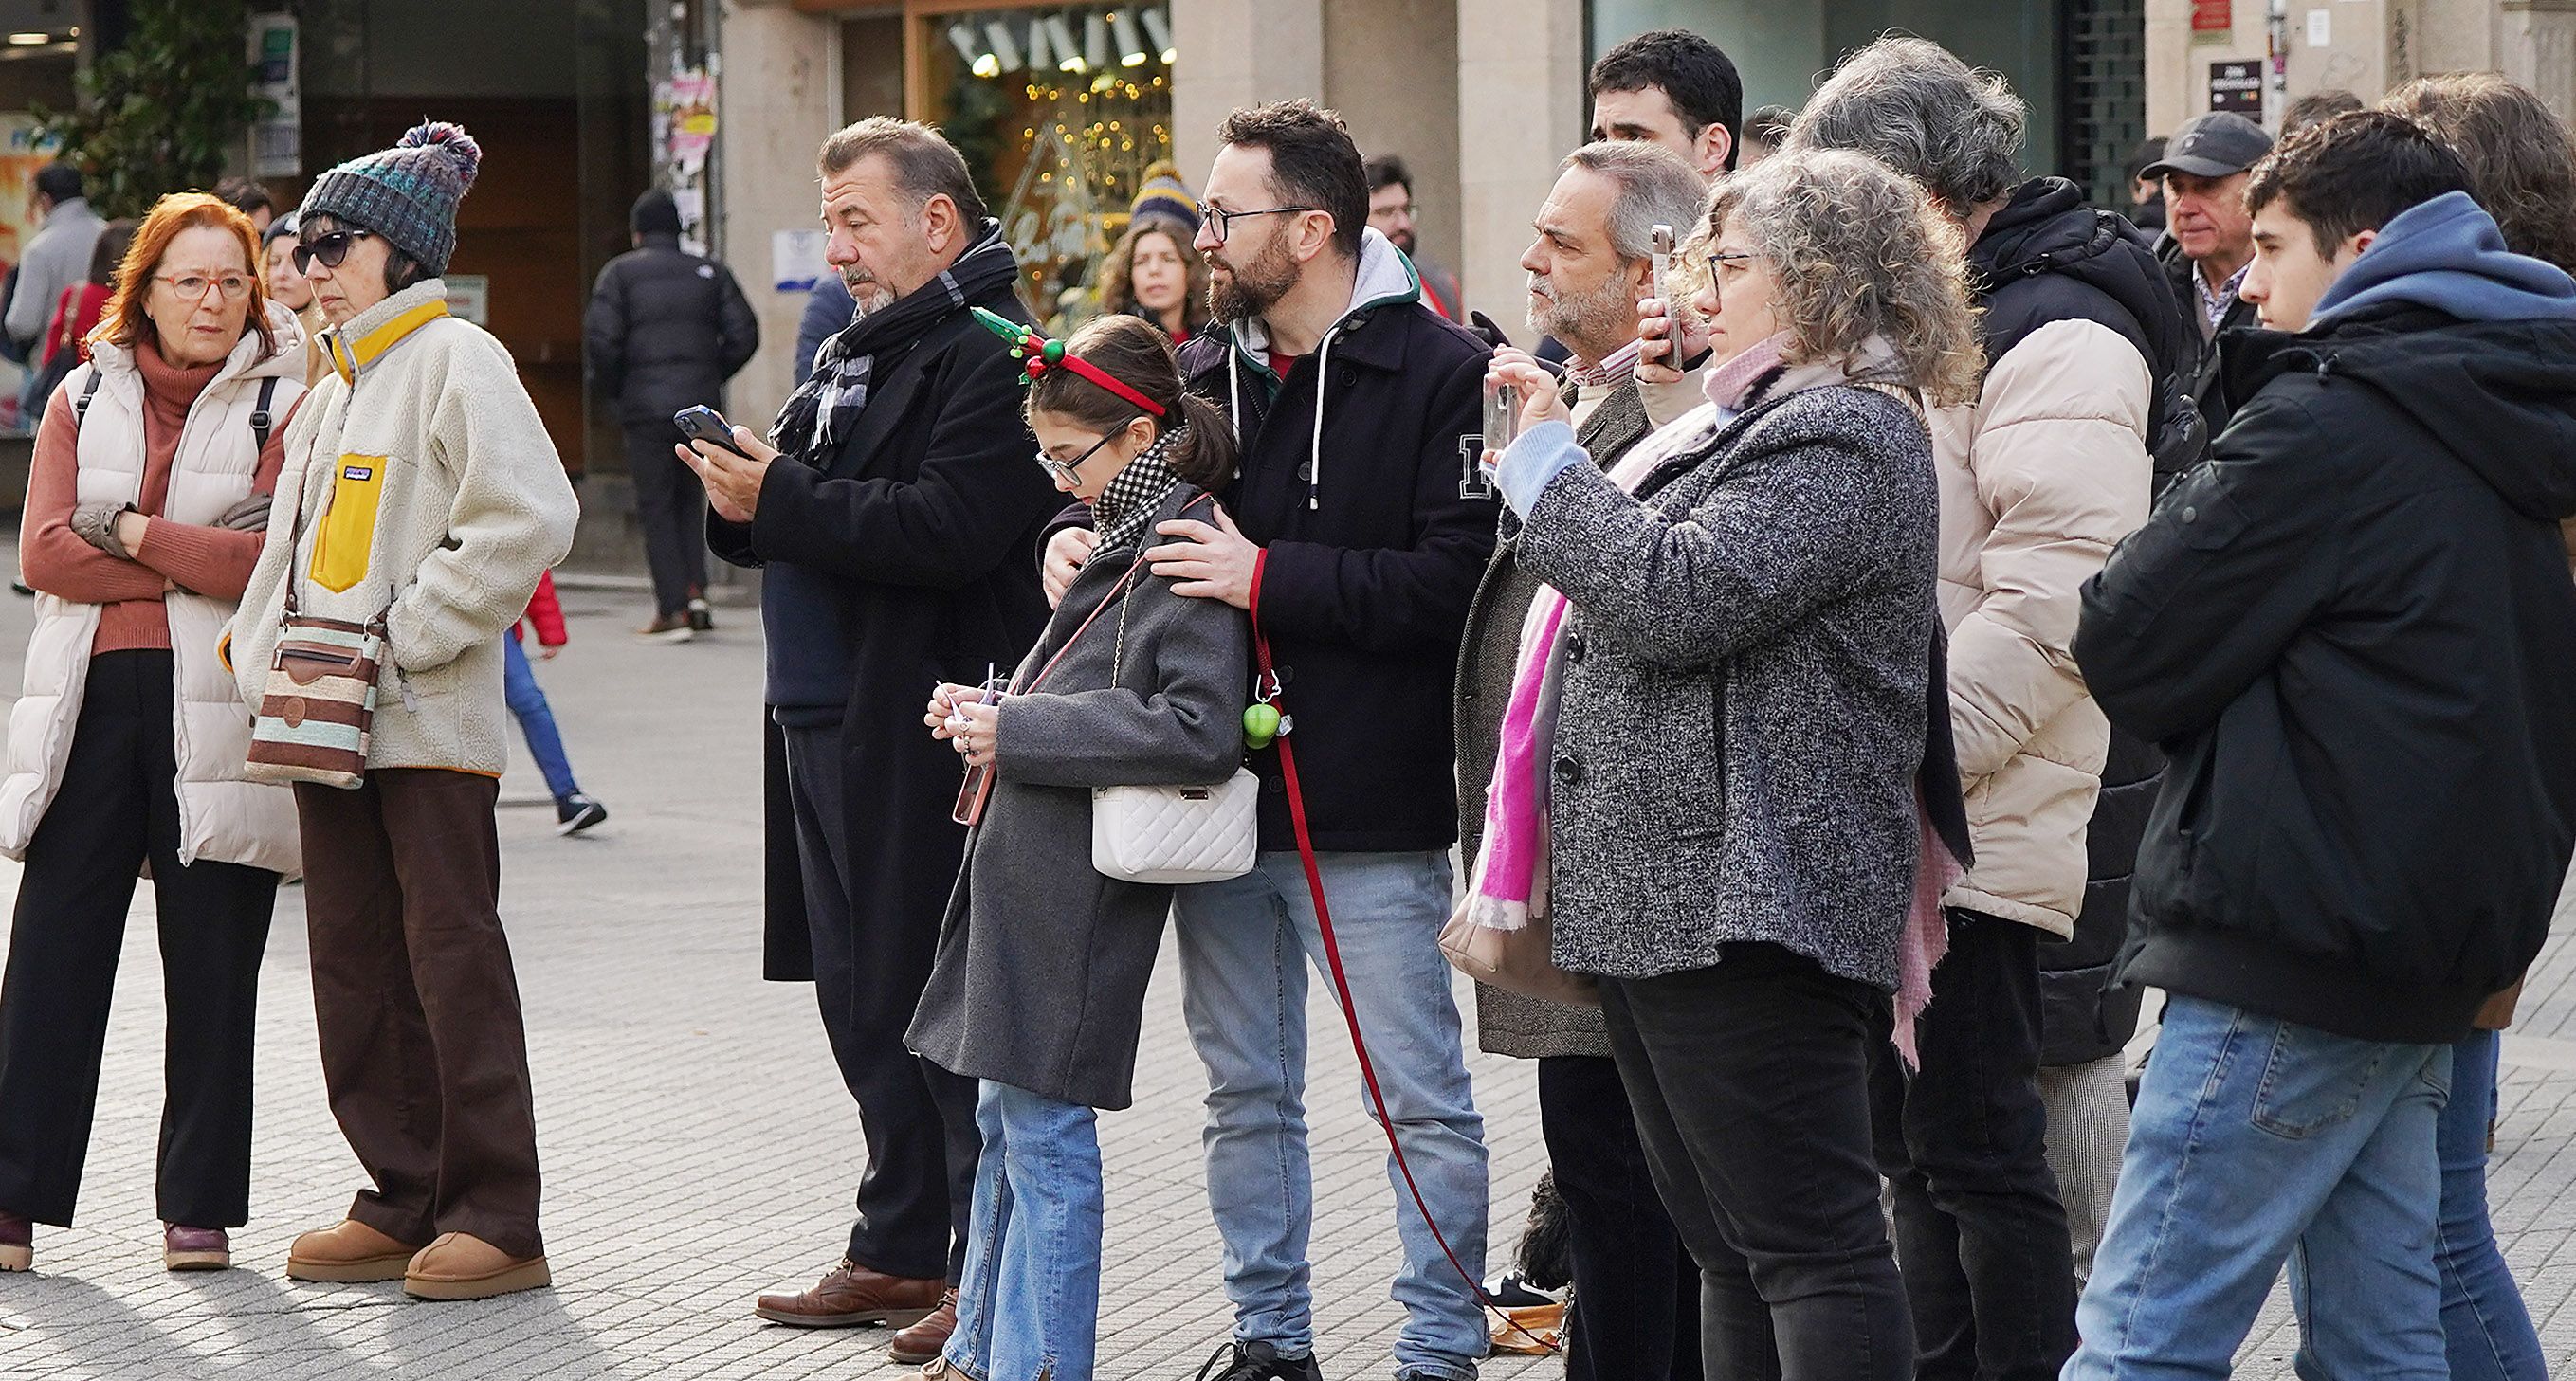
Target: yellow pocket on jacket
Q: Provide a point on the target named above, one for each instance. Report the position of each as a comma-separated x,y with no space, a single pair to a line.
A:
347,534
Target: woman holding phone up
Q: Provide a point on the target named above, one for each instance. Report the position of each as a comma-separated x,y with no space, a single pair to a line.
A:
1040,985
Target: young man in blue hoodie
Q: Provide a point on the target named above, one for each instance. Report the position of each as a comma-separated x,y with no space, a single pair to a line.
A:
2353,634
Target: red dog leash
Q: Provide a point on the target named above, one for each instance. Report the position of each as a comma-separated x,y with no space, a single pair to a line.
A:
1268,691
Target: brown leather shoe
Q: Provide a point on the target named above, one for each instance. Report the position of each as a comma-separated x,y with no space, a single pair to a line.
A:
850,1294
349,1251
926,1340
460,1265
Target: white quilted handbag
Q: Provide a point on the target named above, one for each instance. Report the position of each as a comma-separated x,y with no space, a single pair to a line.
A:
1176,834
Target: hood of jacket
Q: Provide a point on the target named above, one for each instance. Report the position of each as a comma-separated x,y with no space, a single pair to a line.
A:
2446,254
2498,395
1385,279
2047,229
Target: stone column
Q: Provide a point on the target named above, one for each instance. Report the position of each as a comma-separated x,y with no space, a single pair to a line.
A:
776,100
1520,111
1238,53
2537,47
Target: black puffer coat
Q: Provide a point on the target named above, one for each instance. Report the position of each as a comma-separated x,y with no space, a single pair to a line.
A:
665,329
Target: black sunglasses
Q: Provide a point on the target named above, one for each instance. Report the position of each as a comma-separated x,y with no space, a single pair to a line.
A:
330,247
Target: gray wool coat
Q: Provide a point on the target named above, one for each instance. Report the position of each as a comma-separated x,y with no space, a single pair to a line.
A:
1510,1023
1743,705
1043,962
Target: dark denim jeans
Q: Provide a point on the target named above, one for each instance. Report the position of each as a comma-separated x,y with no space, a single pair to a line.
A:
1980,1234
1636,1290
1750,1084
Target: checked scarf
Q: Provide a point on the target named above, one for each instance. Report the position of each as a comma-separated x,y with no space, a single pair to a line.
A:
1136,494
828,404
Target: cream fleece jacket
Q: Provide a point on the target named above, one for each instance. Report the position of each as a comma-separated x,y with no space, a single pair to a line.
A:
420,484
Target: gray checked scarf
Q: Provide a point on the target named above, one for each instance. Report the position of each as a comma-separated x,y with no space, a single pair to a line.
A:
829,403
1136,493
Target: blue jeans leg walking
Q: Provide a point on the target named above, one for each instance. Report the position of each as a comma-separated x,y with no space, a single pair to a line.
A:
536,719
1245,945
2257,1142
1029,1305
2484,1323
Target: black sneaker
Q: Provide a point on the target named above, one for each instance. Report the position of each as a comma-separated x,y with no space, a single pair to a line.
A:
701,620
1258,1362
576,812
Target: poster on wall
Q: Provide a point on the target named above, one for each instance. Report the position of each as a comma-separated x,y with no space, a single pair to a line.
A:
277,137
2237,86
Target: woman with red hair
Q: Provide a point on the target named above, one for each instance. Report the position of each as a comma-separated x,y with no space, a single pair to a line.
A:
146,510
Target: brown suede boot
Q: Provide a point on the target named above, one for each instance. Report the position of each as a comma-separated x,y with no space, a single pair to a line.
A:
460,1266
924,1341
350,1251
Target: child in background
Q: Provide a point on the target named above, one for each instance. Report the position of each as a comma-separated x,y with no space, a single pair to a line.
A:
574,812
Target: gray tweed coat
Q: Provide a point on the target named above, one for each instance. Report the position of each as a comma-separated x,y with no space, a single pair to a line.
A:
1043,962
1743,707
1508,1023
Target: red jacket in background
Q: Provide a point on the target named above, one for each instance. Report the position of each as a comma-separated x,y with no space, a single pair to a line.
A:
76,313
546,612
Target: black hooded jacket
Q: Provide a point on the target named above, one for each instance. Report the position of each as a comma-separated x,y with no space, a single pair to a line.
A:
2045,257
2353,634
665,329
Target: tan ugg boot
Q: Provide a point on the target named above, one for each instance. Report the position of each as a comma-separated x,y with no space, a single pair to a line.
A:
462,1266
350,1251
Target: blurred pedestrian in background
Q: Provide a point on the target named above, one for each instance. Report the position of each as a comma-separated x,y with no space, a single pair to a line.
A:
289,288
665,329
421,494
1774,555
1390,186
145,511
251,199
1154,272
574,810
77,312
56,258
1765,130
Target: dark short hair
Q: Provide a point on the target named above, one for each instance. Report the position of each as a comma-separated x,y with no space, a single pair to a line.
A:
1387,170
1769,124
2354,173
2317,107
245,196
1312,161
401,270
925,164
1693,73
61,181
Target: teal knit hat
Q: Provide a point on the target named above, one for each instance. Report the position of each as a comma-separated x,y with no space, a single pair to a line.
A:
407,193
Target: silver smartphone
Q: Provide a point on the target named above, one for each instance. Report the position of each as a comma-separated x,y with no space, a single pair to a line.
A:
1502,416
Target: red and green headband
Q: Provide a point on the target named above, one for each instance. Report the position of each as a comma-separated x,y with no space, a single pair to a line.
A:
1043,354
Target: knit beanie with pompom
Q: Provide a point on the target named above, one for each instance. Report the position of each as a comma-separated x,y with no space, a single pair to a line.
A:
407,193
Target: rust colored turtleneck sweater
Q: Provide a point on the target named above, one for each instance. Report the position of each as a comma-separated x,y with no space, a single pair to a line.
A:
215,562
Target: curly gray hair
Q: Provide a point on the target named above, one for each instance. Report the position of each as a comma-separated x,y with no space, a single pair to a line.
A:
1859,253
1913,105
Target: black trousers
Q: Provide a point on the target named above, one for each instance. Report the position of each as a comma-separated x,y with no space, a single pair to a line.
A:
1963,1141
1750,1084
918,1191
1636,1290
117,808
672,506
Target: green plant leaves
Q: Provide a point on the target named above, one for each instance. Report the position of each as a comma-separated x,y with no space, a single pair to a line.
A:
164,112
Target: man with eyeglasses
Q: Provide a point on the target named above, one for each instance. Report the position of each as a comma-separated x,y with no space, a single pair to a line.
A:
1353,535
892,510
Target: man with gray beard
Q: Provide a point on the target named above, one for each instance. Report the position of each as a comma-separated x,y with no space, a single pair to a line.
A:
1636,1291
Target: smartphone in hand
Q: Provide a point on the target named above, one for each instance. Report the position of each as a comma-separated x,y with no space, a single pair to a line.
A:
703,423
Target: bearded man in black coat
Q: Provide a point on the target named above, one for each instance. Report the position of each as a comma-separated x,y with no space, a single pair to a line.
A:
893,519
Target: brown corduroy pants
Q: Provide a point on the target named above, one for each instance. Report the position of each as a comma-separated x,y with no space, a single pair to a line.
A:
424,1053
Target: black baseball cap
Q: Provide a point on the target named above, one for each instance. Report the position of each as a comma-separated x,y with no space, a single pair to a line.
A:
2212,145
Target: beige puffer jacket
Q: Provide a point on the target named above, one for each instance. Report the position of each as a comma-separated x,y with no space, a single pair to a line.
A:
2040,477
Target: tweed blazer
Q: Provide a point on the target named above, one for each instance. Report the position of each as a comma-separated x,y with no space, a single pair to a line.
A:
1743,708
1510,1023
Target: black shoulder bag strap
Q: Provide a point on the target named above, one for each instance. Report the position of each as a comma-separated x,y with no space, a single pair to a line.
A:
80,405
260,422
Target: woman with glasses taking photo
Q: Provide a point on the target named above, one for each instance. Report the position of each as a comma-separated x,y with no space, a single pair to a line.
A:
144,518
1039,990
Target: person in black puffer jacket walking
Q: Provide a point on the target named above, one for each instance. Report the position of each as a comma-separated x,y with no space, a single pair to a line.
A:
666,328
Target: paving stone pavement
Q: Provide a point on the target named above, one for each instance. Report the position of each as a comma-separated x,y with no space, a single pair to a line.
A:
698,1146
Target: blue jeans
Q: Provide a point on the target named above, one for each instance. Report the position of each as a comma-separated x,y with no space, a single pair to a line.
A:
1029,1305
1244,947
2488,1331
2257,1141
536,719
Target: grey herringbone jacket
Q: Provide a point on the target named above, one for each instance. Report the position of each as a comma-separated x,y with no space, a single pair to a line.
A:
1743,705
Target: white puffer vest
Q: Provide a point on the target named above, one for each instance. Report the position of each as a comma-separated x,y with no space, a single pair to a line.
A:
221,817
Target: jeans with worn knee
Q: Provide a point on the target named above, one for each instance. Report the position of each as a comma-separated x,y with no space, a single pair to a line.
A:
1245,945
2255,1142
2485,1327
1029,1305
